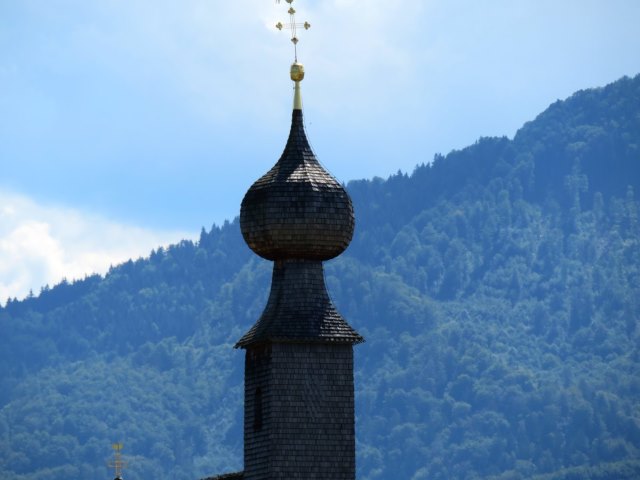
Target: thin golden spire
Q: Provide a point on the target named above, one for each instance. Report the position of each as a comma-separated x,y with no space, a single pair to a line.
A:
297,69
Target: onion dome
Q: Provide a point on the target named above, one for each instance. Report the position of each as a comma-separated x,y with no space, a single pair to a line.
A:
297,209
298,215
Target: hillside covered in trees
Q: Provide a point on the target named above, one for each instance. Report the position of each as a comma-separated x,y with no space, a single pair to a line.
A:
498,289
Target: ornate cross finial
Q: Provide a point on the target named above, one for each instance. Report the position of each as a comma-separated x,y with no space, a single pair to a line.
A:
293,26
118,464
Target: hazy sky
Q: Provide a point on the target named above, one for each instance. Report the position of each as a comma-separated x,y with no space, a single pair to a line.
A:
127,124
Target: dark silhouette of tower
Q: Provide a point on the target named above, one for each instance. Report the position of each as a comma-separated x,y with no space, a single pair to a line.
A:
299,419
299,392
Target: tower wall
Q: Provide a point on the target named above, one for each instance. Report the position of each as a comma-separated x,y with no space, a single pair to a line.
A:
307,425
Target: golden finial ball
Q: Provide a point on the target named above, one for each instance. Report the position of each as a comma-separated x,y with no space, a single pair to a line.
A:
297,72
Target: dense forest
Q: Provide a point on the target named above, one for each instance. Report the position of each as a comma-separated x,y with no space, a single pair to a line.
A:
498,289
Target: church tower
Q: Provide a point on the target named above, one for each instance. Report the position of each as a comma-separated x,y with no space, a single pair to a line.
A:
299,420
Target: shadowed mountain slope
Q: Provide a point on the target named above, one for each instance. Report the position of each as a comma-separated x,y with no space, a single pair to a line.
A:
498,289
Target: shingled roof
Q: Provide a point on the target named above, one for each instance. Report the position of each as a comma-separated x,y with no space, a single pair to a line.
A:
297,209
299,309
298,215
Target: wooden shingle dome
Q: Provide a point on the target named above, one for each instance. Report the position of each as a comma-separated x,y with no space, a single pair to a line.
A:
297,210
298,215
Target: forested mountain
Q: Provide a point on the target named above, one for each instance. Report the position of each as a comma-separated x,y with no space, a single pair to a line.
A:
498,289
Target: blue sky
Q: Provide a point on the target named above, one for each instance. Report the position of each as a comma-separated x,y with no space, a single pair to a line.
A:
127,124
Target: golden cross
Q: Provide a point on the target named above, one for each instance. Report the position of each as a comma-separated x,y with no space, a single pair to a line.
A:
293,26
118,464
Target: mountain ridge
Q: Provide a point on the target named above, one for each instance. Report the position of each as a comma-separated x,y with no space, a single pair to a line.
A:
497,288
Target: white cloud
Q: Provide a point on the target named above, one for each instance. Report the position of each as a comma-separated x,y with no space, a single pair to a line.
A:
42,244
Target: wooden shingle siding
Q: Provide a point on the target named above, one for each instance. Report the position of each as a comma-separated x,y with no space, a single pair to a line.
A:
308,412
257,370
